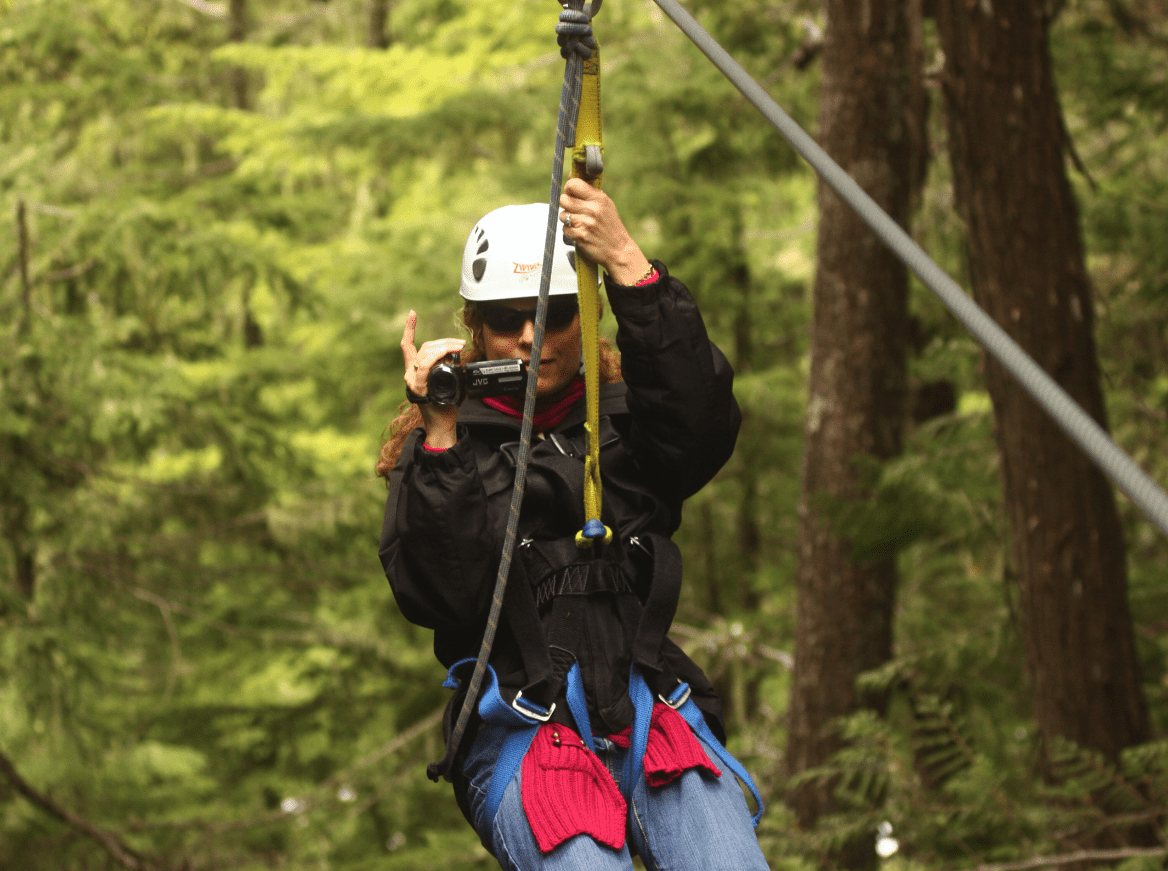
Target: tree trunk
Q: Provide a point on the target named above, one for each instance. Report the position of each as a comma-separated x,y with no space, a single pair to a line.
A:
15,516
870,123
745,681
711,563
1027,266
749,535
22,262
253,336
17,527
237,32
379,34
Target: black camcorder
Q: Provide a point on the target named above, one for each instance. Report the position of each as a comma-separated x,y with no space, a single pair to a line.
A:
450,382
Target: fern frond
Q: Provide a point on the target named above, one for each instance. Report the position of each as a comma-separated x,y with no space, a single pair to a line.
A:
940,746
1085,776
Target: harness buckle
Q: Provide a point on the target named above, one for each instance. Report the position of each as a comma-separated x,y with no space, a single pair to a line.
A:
678,697
531,710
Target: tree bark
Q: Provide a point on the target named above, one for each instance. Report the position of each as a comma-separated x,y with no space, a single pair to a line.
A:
870,122
1007,146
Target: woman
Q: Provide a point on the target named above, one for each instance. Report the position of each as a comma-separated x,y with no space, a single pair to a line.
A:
581,649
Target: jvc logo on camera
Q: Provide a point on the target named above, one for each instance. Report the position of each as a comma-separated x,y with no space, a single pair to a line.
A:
451,382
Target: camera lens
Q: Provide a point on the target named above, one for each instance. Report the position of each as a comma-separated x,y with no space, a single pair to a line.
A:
445,385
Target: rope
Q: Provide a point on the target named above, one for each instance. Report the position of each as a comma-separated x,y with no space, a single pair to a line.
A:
572,48
1077,424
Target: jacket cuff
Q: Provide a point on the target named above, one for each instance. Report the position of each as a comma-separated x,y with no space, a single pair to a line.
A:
656,275
628,299
443,458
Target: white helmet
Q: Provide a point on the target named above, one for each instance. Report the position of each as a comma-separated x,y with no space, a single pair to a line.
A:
503,257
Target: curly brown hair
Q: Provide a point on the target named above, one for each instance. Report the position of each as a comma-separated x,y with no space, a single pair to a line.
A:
409,418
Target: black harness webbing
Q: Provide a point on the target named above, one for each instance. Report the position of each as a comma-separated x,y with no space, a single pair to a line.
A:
574,41
660,606
1077,424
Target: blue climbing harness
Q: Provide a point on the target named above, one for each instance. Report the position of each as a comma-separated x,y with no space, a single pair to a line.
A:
512,727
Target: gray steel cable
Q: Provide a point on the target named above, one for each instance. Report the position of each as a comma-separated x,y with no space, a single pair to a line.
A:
565,137
1077,424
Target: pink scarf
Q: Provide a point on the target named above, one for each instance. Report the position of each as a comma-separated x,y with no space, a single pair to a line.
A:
548,413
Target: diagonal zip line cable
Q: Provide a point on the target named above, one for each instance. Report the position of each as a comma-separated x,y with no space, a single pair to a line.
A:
565,138
1077,424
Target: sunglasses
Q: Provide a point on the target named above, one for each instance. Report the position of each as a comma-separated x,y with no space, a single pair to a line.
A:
562,310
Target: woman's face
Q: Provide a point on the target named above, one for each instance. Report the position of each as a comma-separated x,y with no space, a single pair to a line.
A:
561,353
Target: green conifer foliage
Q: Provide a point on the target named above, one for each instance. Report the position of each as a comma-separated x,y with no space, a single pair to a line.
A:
201,665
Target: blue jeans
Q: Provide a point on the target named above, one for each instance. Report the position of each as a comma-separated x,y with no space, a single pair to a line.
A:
698,822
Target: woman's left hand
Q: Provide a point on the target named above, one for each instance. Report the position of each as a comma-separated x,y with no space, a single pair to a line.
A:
598,232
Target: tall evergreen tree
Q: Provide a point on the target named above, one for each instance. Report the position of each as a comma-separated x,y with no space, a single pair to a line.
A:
1008,148
870,123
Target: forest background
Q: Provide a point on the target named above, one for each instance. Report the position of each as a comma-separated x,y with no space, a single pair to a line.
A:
213,219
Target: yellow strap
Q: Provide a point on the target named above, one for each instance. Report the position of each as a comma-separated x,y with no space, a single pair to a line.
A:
586,164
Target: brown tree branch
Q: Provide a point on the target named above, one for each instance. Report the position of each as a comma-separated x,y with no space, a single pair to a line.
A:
175,650
215,10
1071,151
316,635
109,841
67,273
421,727
1071,858
314,799
22,256
809,49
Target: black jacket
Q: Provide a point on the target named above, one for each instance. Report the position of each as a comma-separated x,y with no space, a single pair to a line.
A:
665,431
